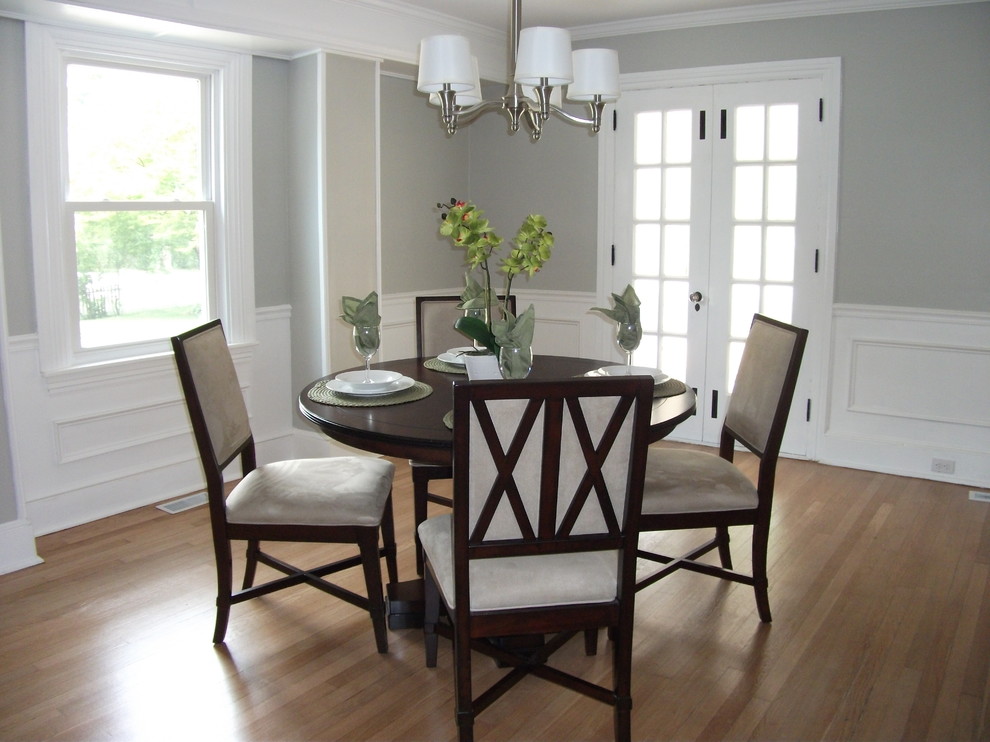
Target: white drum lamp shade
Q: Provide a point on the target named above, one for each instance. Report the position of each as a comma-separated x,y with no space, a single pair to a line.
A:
596,72
469,97
544,52
445,60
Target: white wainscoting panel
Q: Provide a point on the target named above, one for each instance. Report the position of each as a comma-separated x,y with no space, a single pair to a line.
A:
109,442
564,325
909,386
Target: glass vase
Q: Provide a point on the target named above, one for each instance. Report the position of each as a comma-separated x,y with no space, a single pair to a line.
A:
479,313
515,363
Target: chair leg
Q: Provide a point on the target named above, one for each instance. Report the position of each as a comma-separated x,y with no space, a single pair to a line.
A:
591,642
253,547
388,541
431,615
462,683
622,679
421,484
761,538
368,544
225,581
722,539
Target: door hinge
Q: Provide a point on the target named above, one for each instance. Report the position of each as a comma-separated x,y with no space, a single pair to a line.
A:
701,126
714,403
816,260
821,109
723,118
807,412
613,255
615,119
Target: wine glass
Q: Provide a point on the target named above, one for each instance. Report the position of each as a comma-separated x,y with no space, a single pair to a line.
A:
366,341
627,337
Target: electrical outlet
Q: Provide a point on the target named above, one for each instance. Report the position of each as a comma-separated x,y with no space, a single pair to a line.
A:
979,496
943,466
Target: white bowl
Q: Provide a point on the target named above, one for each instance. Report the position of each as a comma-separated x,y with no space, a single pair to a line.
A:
380,380
658,375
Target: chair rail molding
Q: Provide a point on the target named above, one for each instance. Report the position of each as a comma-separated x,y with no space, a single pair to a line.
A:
908,387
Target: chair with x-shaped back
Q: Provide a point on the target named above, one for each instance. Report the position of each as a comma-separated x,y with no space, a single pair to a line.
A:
339,500
542,536
435,334
688,489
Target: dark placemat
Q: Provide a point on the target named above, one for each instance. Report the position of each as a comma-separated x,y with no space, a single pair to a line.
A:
320,393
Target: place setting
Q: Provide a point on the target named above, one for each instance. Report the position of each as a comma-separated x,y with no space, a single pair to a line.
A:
451,361
368,387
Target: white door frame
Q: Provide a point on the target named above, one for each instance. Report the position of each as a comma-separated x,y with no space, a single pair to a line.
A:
828,72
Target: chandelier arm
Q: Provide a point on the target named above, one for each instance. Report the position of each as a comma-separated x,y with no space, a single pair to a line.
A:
594,120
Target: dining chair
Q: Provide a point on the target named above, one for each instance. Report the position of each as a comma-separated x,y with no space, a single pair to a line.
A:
435,333
688,489
341,500
542,535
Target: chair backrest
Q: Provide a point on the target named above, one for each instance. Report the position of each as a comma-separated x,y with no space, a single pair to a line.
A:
213,396
435,317
544,467
764,387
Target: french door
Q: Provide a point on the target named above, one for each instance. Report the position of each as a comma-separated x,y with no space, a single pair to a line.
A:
718,214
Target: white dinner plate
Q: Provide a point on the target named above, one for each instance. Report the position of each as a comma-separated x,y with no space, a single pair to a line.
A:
658,375
381,380
355,390
456,355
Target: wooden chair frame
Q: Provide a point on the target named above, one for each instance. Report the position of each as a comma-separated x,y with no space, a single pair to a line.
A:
473,629
722,520
365,537
422,473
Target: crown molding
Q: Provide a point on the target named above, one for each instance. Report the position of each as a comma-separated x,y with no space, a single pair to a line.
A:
750,13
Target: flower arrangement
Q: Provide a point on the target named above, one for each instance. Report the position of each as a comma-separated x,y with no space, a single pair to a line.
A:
465,224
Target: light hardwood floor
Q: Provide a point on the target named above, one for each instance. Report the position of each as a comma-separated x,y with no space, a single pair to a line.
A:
879,590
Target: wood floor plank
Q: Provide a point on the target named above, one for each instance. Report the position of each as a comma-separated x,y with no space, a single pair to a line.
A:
880,590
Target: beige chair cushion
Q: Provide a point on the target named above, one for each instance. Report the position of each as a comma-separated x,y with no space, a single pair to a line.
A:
520,582
345,490
679,481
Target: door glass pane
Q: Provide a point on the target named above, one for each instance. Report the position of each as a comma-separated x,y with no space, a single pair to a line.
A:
783,139
673,356
782,192
735,356
778,302
648,291
648,189
748,193
678,193
780,253
679,138
646,253
747,252
648,352
139,275
745,303
749,133
676,250
675,307
649,138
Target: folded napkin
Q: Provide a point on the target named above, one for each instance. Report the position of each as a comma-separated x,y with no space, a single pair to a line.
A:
625,311
473,296
361,312
515,332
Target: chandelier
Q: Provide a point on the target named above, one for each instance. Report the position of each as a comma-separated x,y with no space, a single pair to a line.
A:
542,62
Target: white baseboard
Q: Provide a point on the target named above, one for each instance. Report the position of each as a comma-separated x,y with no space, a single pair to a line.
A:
17,549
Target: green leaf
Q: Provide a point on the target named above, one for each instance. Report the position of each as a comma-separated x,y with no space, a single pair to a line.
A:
476,329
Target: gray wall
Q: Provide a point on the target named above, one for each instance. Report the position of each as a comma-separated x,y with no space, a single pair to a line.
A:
15,217
420,166
270,139
914,182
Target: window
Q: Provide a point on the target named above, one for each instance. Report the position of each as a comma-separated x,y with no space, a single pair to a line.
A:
141,223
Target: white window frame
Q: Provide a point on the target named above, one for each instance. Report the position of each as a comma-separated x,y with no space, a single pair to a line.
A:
230,259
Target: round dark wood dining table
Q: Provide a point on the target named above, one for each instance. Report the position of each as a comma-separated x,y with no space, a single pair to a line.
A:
415,430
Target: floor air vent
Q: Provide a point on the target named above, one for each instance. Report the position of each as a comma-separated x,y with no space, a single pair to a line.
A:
184,503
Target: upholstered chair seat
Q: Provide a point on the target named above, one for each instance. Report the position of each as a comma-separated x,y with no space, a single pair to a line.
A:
679,481
341,491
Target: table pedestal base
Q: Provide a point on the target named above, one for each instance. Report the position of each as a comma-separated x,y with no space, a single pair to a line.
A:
404,604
